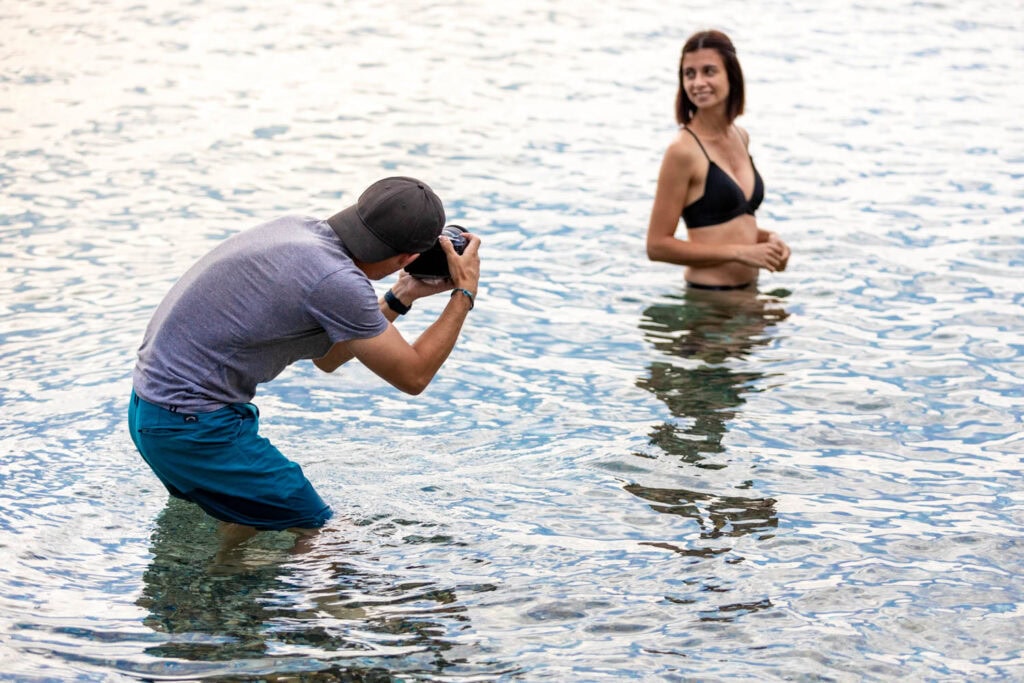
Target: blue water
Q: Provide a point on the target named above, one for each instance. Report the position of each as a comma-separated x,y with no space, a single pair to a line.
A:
610,478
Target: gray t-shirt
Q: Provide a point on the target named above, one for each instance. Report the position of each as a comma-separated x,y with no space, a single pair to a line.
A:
260,301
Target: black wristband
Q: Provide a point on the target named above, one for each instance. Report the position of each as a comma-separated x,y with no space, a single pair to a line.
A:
395,304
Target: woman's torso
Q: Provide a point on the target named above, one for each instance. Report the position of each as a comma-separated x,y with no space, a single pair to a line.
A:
720,205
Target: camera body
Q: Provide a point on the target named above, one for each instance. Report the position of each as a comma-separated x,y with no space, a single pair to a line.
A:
433,263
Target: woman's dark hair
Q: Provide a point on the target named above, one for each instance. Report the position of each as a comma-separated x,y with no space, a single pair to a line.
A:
719,42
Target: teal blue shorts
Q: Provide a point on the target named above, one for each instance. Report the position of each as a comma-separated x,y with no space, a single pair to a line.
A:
218,461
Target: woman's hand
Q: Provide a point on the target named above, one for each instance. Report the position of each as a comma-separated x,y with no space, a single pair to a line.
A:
765,236
770,255
772,237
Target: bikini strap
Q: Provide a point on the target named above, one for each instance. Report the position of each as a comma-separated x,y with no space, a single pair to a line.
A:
699,143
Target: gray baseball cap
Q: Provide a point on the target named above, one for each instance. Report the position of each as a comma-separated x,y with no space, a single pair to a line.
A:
397,215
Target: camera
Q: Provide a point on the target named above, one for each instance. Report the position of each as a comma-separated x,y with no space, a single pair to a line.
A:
433,263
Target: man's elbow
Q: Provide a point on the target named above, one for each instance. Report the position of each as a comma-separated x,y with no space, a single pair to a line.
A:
414,386
323,365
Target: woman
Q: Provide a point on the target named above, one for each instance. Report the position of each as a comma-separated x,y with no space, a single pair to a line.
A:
708,177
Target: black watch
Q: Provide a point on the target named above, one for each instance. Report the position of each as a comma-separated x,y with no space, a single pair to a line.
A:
395,304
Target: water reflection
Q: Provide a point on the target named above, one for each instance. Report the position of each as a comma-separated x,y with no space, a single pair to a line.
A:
718,516
294,603
707,330
705,335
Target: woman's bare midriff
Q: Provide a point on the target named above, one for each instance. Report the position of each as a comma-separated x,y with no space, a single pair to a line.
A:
740,230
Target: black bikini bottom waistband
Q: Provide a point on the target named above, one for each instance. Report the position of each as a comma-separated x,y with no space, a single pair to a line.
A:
718,288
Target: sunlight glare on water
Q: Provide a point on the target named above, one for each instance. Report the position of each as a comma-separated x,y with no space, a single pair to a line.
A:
612,477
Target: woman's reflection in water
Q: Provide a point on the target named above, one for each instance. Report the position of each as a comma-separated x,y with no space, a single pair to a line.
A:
704,336
267,596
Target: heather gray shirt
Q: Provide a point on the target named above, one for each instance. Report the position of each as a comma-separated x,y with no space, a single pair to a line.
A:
260,301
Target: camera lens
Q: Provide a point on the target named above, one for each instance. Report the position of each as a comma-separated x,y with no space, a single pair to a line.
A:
454,233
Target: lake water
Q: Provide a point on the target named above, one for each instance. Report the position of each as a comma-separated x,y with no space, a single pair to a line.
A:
611,477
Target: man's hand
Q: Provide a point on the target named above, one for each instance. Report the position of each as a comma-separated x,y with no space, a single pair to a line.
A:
464,268
409,288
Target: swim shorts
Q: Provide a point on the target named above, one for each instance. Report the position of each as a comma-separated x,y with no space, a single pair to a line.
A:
218,461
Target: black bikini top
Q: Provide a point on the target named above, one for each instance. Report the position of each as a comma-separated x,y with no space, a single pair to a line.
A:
723,198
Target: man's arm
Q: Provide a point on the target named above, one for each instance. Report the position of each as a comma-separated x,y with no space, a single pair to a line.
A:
411,367
339,353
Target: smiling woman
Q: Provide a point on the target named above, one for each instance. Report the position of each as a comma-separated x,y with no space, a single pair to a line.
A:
708,177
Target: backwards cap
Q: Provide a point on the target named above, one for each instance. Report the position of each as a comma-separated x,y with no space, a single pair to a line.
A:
397,215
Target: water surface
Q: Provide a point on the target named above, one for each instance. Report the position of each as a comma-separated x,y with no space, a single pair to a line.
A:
611,477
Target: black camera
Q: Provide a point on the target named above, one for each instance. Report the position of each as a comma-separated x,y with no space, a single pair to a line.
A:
433,263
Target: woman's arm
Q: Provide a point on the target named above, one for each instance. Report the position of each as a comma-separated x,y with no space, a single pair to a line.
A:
674,179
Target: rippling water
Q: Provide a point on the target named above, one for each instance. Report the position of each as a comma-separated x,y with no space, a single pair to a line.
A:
612,477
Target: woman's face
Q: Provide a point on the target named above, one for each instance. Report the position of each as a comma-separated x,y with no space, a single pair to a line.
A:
704,78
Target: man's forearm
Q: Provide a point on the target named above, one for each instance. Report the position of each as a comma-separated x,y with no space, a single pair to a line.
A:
437,341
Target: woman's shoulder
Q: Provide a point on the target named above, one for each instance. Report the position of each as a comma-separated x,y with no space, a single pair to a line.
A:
684,148
744,135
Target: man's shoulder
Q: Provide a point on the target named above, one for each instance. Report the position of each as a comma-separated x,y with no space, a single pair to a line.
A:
295,236
287,224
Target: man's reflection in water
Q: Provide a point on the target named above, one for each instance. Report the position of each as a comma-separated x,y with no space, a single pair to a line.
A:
242,603
704,336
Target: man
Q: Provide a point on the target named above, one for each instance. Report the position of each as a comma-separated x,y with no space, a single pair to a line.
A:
291,289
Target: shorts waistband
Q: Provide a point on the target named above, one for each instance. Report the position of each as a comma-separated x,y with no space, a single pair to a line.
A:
246,410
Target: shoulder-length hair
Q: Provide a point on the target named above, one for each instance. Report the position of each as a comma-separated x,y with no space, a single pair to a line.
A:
719,42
